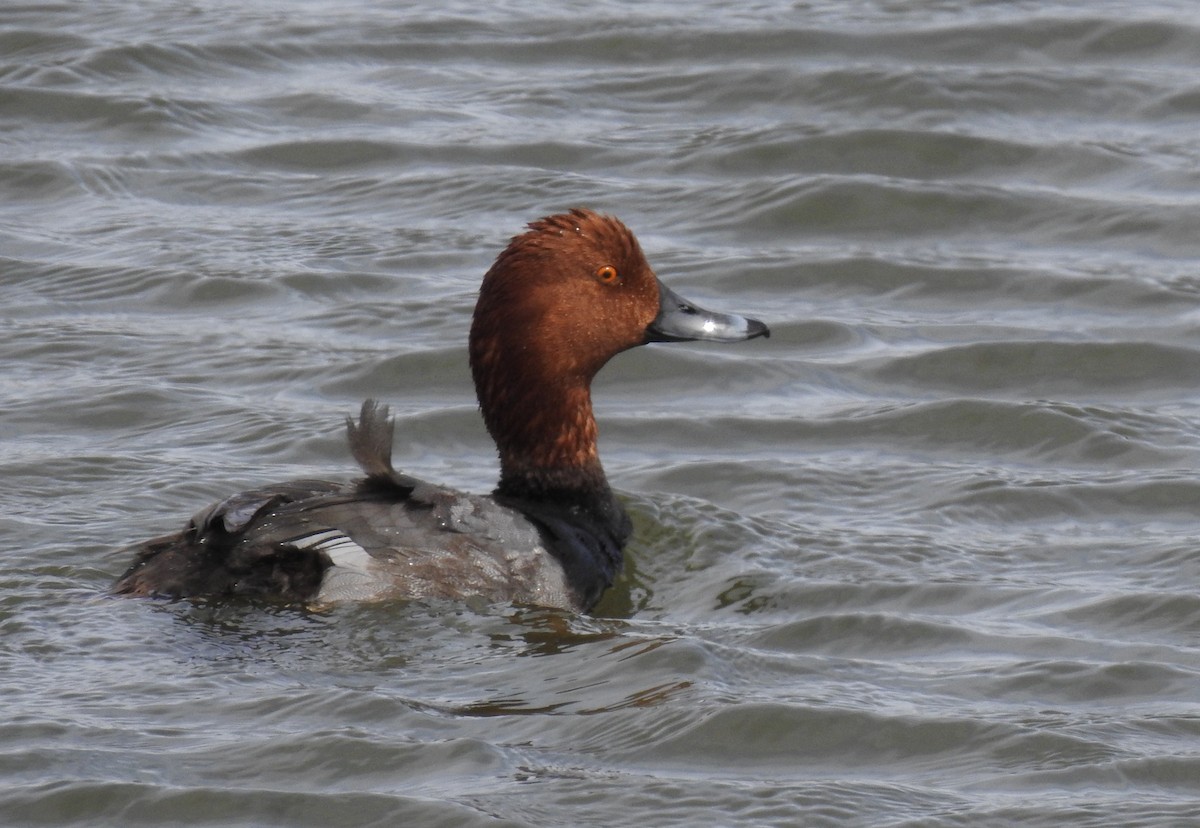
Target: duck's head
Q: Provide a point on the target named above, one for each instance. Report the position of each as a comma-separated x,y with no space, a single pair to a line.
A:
563,298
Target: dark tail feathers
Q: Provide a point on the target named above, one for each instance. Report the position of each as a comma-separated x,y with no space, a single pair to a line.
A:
371,445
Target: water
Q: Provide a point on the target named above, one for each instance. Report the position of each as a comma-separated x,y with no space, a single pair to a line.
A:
928,556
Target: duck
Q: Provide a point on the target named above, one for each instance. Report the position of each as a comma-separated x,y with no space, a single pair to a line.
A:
566,295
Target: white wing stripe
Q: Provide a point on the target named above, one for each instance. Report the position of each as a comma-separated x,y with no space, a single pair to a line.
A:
305,541
352,576
341,549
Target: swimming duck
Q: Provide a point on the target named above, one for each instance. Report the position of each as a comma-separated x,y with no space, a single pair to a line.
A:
563,298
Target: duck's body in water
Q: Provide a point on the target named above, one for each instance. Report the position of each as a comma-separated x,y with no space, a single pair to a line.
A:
559,302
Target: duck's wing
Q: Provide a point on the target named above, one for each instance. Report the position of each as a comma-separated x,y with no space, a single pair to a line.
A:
315,541
211,555
276,541
388,534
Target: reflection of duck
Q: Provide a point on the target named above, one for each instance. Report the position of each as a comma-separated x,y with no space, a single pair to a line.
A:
561,300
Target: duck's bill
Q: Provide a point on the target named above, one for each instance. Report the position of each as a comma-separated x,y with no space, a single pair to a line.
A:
679,320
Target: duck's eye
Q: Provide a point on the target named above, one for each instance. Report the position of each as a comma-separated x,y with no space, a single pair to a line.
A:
607,274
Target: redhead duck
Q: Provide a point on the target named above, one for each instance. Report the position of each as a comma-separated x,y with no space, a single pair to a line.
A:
562,299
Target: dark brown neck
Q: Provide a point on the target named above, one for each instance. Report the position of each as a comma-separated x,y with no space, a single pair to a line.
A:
541,421
547,442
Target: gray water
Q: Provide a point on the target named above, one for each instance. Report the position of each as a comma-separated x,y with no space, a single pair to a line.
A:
926,557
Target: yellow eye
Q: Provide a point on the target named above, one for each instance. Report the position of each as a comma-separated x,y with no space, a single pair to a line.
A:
607,274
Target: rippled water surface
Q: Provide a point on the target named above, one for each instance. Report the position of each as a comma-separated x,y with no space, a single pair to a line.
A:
928,556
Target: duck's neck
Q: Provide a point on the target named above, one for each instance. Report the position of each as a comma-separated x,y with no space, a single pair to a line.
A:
543,427
547,443
550,472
